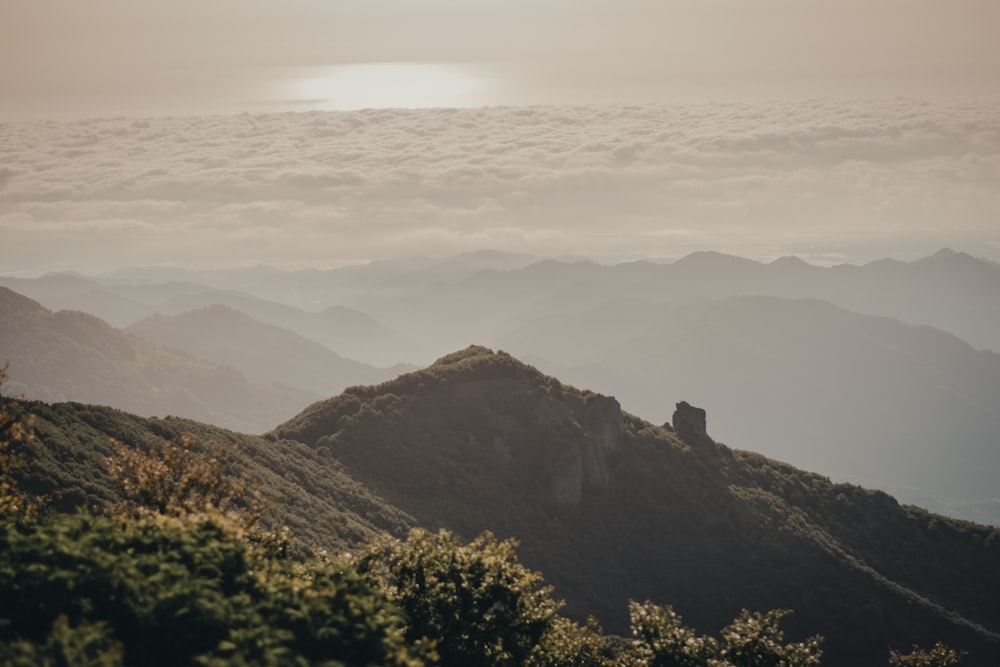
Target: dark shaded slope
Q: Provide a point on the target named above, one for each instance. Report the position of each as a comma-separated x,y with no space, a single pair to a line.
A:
69,355
611,508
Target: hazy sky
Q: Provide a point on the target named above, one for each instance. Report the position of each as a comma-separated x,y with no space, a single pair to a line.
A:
64,57
759,141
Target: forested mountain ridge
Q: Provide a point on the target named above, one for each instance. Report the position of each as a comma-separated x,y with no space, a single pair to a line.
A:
607,506
611,508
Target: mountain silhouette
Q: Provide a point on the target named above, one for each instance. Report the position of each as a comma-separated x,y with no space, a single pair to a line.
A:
73,356
262,352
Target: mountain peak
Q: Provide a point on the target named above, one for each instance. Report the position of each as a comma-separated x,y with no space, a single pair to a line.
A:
791,261
476,359
712,259
528,430
949,256
473,364
943,253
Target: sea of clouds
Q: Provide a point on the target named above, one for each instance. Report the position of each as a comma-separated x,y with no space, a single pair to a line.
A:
820,178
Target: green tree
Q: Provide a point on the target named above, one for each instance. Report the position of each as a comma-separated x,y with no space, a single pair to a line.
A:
661,640
174,579
474,603
15,431
754,639
751,640
87,645
938,656
184,478
179,591
567,644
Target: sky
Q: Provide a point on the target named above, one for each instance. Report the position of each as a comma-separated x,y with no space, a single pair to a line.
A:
61,58
829,129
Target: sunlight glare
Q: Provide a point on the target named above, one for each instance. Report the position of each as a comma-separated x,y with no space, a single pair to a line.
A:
391,85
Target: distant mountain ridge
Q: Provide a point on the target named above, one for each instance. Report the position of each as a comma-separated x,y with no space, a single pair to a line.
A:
345,330
948,290
905,407
261,351
70,355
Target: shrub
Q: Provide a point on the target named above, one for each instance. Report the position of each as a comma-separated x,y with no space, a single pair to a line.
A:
938,656
171,591
751,640
475,603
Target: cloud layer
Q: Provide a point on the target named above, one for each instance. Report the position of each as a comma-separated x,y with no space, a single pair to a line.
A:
615,182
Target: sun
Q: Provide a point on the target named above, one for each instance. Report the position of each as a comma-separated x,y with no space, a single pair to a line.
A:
391,85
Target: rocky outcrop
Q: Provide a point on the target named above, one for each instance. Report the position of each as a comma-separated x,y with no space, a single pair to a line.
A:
567,482
689,423
604,428
584,463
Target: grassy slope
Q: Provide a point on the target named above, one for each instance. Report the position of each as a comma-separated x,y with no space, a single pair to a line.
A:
312,496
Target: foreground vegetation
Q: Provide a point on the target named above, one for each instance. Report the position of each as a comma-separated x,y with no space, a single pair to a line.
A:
180,573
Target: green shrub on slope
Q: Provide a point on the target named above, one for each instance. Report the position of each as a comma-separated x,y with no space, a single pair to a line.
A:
187,591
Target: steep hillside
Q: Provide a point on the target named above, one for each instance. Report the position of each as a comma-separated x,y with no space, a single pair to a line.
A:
263,352
309,494
867,399
70,355
612,508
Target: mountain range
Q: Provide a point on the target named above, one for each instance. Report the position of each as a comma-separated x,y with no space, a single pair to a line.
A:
608,506
214,364
70,355
884,374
